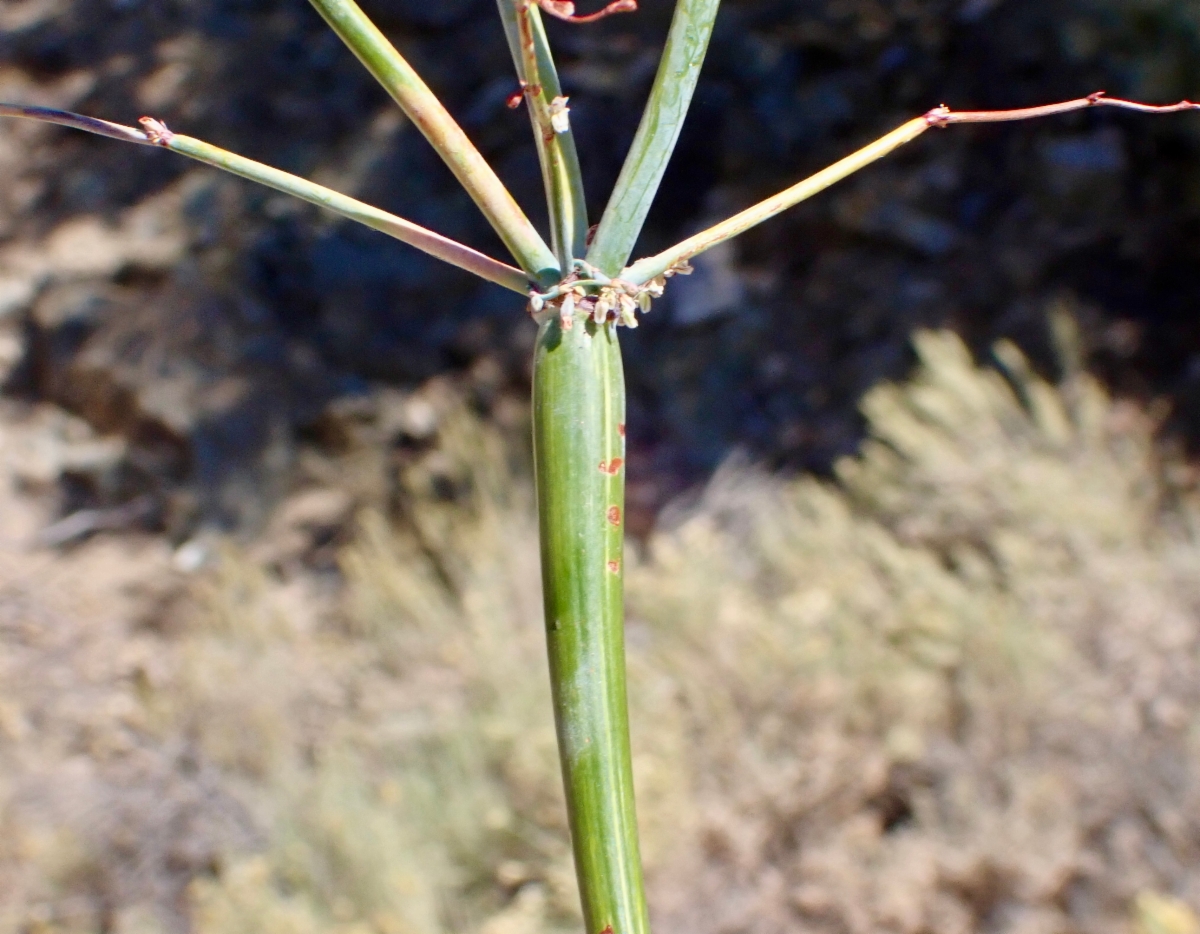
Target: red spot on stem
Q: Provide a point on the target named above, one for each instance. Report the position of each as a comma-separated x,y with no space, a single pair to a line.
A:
614,567
613,467
614,515
607,930
621,429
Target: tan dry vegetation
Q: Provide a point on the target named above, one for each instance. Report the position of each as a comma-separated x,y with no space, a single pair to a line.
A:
954,691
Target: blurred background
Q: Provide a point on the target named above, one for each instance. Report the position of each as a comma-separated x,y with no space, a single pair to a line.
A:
914,591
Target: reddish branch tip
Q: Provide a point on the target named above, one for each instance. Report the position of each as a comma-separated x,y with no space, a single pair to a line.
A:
156,131
565,10
943,115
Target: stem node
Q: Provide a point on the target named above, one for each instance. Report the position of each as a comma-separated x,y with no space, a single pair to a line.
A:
156,132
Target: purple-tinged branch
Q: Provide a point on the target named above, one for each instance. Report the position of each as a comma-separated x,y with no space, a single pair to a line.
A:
155,133
126,134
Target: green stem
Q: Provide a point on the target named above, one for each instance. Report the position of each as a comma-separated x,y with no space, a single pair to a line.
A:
646,269
432,243
451,251
432,119
579,451
556,151
670,97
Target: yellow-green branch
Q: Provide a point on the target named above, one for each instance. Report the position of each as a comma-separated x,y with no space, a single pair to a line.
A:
454,146
646,269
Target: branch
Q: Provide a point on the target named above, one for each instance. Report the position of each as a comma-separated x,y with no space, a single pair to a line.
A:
424,109
155,133
944,116
646,269
557,155
126,134
657,134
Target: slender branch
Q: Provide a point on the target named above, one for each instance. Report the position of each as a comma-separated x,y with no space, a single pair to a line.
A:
549,114
429,115
657,134
646,269
156,134
126,134
944,116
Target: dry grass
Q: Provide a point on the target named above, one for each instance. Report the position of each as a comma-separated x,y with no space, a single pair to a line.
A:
954,691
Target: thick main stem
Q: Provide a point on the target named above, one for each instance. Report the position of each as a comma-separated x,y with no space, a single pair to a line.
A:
579,452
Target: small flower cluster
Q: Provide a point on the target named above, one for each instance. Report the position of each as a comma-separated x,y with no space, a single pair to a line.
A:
614,300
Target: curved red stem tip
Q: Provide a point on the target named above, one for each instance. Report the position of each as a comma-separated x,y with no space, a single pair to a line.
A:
944,116
565,10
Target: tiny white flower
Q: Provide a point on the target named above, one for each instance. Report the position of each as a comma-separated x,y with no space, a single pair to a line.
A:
559,112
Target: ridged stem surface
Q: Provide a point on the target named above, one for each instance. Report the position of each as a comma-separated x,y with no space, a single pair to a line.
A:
579,451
